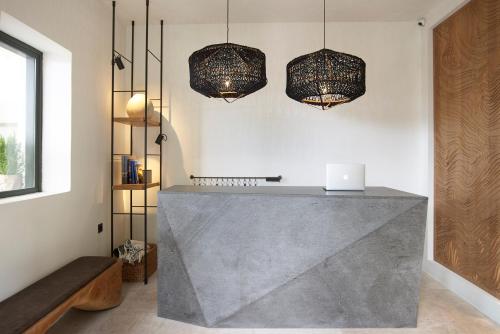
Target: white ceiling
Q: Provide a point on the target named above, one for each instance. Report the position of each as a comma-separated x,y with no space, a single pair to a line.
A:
214,11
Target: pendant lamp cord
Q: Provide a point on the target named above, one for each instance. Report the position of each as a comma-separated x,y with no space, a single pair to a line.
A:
324,24
227,21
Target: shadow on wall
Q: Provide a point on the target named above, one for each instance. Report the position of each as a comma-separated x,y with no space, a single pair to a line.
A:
174,170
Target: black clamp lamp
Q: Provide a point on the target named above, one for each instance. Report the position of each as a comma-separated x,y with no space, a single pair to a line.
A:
161,137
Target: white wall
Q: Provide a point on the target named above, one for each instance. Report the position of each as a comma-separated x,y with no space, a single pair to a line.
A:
41,234
267,133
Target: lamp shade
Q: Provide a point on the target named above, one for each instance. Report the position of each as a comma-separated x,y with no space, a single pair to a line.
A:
228,71
135,107
325,78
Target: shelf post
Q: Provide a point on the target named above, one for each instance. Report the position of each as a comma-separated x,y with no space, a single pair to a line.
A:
112,120
131,219
146,146
161,100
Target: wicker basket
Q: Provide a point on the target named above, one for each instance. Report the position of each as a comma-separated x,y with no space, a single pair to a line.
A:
135,272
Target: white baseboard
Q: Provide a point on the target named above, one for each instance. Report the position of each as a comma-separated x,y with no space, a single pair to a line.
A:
480,299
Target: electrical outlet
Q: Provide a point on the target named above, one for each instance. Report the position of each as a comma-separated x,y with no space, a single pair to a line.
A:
99,228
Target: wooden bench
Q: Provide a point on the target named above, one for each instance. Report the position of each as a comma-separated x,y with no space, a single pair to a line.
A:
89,283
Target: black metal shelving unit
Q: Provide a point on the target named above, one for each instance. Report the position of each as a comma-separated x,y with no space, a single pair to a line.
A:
133,123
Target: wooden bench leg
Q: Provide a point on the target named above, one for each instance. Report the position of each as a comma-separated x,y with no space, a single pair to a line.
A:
105,291
102,293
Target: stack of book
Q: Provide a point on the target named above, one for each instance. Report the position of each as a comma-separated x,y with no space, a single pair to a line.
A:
131,173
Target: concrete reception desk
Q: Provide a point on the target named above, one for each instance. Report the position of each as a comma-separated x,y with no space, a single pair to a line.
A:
290,256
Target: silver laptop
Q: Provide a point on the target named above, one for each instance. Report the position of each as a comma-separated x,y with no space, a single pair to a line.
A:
345,177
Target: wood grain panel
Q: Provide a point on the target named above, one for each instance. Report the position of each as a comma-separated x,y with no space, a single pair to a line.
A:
467,143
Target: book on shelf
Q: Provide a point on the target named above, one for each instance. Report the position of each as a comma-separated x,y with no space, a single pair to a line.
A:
130,171
124,171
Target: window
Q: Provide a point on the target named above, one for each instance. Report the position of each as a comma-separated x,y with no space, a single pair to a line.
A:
20,117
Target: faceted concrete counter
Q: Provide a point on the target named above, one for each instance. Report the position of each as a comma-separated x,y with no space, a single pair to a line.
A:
299,257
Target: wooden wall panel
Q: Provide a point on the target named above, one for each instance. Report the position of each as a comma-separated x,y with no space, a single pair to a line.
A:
467,143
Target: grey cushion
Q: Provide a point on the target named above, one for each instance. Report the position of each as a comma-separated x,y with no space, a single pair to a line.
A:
22,310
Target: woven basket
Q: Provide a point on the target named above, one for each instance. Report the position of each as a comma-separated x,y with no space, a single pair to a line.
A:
135,272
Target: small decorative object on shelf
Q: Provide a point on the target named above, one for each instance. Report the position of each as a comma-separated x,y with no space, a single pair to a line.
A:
148,175
135,108
140,178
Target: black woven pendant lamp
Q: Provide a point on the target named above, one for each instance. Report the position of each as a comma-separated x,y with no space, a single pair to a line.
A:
228,71
325,78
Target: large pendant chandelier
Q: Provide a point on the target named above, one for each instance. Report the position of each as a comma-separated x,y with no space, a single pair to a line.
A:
228,71
325,78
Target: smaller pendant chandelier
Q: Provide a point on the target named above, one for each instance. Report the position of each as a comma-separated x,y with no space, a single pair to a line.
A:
325,78
228,71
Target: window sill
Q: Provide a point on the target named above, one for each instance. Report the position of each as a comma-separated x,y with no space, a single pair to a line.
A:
28,197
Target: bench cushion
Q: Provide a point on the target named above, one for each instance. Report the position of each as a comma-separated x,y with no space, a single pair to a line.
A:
22,310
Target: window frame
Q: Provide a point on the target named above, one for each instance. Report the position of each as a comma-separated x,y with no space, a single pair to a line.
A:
38,57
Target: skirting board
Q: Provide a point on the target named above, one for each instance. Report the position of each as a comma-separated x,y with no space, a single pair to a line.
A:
480,299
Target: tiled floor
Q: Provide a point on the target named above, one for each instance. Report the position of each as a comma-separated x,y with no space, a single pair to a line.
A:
440,312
